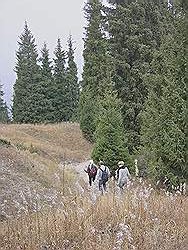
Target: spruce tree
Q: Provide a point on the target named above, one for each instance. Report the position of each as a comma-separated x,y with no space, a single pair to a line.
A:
95,70
72,84
164,120
3,108
110,143
135,30
87,112
60,97
47,86
26,96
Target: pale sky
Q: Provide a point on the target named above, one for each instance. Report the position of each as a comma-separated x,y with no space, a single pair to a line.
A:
47,20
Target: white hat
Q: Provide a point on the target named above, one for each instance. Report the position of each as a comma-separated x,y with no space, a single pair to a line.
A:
121,163
91,161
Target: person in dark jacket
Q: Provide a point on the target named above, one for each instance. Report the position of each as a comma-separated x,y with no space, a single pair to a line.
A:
91,170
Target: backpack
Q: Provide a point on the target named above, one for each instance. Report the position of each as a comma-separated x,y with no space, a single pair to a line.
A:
104,175
93,171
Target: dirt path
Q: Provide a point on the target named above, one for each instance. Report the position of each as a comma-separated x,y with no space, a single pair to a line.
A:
82,183
79,170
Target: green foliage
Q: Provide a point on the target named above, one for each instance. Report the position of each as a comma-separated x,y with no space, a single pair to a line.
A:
60,97
110,143
97,67
72,84
47,87
3,108
164,120
26,108
136,28
88,107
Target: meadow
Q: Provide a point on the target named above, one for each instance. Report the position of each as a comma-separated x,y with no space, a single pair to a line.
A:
45,206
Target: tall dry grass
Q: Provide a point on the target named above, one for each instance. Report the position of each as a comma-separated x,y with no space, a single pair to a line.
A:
139,219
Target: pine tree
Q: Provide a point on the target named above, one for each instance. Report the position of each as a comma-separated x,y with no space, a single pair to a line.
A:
60,97
135,29
96,67
164,120
72,84
47,86
26,97
3,108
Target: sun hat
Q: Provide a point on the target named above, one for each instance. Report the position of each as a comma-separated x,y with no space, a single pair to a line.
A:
121,163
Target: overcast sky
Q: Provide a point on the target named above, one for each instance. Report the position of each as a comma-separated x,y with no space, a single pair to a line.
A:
48,20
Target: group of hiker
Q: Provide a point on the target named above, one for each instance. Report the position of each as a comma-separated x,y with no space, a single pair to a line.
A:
101,173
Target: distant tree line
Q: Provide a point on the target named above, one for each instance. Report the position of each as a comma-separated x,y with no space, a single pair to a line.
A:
133,98
44,91
4,116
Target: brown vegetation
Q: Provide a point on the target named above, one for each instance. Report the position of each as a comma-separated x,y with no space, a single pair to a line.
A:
29,164
139,219
59,142
44,206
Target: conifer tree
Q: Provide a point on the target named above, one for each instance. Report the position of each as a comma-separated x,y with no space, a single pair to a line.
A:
95,70
135,29
87,113
3,108
164,120
60,97
47,86
110,143
72,84
26,97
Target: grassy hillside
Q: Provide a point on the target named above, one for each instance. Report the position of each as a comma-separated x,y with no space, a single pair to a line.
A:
45,205
29,164
61,142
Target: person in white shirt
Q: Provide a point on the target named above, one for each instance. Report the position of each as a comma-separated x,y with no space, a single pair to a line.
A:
103,174
122,175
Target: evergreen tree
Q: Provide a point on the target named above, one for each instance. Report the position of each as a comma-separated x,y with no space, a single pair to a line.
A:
110,143
3,108
135,29
47,86
26,108
46,67
60,97
96,67
72,84
87,112
164,120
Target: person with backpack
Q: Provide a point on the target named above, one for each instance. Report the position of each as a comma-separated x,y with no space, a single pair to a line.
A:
91,170
103,174
122,175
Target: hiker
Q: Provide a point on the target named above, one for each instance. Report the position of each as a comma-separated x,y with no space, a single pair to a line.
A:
91,170
103,174
122,174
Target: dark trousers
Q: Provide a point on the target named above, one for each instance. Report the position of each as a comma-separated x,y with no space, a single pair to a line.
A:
91,179
102,186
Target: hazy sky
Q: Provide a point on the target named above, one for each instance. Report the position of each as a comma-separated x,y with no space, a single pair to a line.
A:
48,20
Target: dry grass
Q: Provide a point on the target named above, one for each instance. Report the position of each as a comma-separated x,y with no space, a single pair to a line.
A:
59,142
37,150
139,219
31,162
